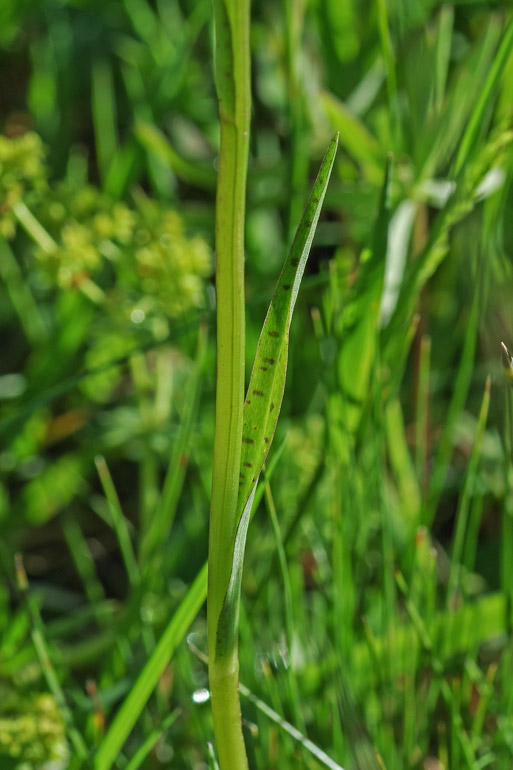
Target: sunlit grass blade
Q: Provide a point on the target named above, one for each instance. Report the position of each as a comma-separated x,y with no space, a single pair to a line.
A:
134,703
399,237
265,392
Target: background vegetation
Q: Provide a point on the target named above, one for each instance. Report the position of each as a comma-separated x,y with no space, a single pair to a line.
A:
379,576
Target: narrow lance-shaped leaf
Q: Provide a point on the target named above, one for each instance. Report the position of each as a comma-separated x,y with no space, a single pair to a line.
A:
265,391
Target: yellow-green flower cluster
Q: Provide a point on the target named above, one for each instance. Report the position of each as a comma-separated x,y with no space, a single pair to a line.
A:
137,258
32,731
171,266
22,170
135,262
142,254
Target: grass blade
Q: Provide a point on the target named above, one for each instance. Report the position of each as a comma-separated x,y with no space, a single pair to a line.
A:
119,522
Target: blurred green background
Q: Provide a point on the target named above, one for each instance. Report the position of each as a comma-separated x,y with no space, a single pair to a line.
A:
377,593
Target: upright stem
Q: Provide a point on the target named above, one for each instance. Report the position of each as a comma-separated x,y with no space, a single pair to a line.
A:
233,90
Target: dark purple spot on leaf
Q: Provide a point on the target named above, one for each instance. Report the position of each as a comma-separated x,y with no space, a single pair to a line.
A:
263,368
248,465
269,360
258,392
273,334
247,440
286,286
272,406
294,262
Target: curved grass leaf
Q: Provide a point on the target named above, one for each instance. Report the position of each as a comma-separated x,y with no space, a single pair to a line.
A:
265,392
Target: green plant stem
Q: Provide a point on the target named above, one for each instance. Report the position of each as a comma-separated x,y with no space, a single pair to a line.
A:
233,90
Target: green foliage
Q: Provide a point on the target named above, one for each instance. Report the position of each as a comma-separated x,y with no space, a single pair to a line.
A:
81,235
376,592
